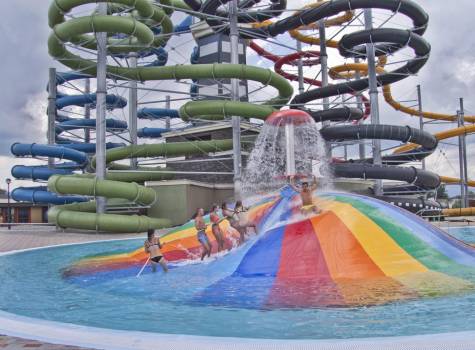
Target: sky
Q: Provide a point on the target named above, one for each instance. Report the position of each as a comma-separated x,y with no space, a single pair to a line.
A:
448,75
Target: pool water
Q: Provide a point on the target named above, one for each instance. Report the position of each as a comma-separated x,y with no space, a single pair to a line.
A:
466,233
33,285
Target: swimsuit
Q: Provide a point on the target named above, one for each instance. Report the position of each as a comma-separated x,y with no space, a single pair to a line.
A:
156,259
202,237
214,219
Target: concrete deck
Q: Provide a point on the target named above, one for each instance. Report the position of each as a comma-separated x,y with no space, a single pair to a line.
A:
23,237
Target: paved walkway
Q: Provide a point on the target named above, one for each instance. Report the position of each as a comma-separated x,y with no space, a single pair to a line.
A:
22,237
13,343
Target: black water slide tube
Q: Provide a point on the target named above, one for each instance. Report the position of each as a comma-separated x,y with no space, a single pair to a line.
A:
274,10
387,41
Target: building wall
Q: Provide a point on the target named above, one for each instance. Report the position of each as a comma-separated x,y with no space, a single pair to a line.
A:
179,199
36,215
26,211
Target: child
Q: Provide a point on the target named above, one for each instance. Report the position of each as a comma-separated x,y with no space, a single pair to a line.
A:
152,246
218,234
305,192
201,234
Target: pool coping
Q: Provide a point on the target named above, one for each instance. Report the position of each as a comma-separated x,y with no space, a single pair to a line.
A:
102,338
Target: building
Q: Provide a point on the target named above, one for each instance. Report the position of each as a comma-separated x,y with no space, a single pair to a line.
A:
214,168
23,212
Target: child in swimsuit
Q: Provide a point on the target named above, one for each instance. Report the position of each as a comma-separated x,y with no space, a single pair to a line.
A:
215,229
153,247
201,234
305,192
231,216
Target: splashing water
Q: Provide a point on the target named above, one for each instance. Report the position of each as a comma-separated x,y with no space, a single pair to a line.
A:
266,167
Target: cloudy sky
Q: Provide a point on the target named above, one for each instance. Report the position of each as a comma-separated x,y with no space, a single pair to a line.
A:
449,74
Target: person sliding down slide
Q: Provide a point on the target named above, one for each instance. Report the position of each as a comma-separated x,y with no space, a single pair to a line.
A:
152,246
201,234
305,192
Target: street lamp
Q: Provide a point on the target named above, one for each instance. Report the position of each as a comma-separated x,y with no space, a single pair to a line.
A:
9,218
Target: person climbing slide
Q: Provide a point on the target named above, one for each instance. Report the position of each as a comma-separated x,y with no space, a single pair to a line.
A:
201,234
305,191
153,247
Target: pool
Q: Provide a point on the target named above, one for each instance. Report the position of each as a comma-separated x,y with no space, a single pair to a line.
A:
39,284
465,233
158,303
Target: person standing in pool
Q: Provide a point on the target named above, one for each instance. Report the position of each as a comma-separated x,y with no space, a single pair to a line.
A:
201,234
153,247
305,192
215,229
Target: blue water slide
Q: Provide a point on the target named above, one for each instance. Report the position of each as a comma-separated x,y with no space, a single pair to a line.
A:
36,150
73,124
41,194
72,150
152,132
184,26
39,172
157,113
195,55
112,101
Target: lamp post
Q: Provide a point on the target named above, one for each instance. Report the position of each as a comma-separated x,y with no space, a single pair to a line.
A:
8,181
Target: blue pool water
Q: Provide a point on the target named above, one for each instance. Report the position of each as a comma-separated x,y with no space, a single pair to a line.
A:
466,233
32,285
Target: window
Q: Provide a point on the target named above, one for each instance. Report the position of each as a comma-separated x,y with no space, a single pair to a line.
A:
22,214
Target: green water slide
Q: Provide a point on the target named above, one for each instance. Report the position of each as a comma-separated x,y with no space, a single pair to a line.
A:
121,185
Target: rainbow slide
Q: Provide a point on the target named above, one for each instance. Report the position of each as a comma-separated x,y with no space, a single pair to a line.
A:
358,251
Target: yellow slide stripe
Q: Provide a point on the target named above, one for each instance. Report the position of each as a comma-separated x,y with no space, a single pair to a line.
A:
380,247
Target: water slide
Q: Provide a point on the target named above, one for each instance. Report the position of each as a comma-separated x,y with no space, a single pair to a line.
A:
65,146
359,252
143,38
65,216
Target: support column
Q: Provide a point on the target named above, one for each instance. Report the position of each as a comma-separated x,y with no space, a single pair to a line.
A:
373,94
101,108
167,106
87,111
236,121
289,149
300,69
462,159
421,119
324,68
133,108
51,112
359,105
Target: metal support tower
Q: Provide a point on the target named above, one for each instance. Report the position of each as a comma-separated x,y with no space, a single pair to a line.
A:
133,108
87,111
289,149
300,69
167,106
421,119
359,104
236,121
324,65
462,159
101,108
51,111
373,94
